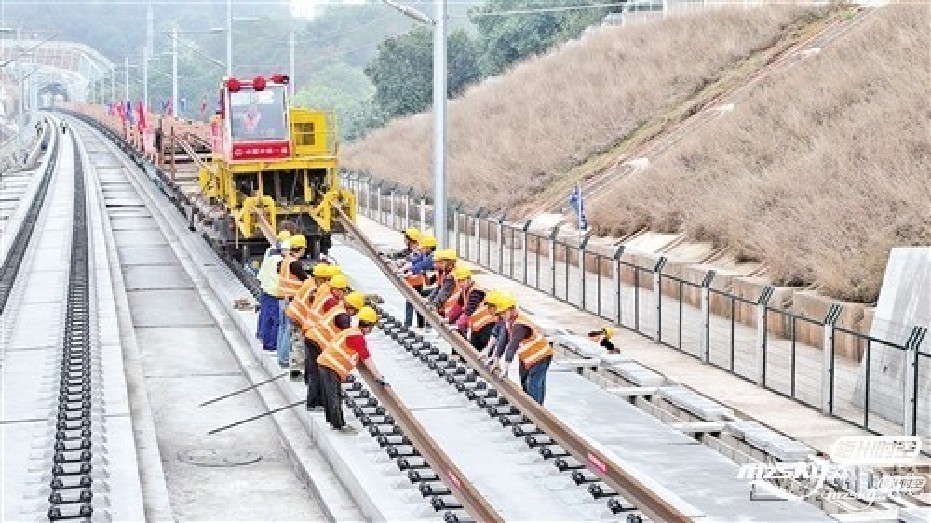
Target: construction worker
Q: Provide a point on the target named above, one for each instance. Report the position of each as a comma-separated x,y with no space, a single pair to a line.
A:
267,325
444,261
291,277
339,359
459,299
337,317
419,274
411,237
298,312
603,338
526,341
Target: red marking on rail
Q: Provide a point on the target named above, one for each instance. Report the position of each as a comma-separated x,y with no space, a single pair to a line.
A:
597,463
455,479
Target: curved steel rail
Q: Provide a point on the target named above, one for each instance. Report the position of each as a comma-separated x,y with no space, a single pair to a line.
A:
656,506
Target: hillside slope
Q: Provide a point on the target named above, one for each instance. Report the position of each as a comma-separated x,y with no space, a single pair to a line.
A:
509,137
818,174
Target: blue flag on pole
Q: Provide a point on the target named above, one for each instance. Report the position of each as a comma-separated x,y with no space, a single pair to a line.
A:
577,202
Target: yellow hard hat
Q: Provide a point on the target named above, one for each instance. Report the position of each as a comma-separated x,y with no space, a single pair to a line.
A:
609,331
339,282
427,240
492,297
298,241
504,302
368,315
355,299
445,255
412,233
283,235
462,272
323,270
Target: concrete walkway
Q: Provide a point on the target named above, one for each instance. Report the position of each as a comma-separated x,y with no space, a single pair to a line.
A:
790,417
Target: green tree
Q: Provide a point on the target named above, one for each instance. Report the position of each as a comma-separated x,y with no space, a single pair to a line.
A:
506,36
402,70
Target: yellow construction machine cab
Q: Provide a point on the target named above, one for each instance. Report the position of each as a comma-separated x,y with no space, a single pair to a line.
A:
279,159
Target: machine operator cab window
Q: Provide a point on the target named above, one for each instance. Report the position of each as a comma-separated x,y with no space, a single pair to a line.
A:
258,115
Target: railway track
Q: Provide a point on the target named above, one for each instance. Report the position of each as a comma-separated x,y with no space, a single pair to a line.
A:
504,401
27,223
443,484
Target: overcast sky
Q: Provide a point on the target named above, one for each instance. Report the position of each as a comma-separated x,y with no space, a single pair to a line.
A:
308,8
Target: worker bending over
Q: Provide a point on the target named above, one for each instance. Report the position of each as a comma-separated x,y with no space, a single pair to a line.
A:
299,311
337,317
420,275
603,337
441,296
339,359
526,341
411,237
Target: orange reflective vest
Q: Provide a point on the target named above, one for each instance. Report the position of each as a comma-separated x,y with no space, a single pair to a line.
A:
481,318
533,348
324,331
288,284
299,308
338,357
453,297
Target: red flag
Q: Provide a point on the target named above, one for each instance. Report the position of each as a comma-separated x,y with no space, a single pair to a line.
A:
140,110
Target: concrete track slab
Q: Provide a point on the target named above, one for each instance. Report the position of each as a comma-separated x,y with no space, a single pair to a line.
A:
168,308
146,255
39,325
695,472
151,277
17,447
139,238
132,223
39,283
255,491
27,394
178,352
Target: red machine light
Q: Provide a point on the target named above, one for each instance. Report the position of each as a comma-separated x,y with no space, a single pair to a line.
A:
233,85
258,83
281,79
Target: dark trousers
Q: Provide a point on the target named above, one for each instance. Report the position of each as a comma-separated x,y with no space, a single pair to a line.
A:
409,316
312,375
480,339
533,380
332,397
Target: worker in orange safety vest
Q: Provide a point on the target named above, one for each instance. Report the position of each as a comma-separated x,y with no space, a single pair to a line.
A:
527,341
338,361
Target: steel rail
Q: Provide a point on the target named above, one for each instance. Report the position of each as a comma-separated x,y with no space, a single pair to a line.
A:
462,489
616,475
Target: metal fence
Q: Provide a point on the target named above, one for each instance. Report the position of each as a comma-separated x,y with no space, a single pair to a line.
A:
884,389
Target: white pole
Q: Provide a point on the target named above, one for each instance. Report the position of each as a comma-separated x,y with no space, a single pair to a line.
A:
126,76
439,129
174,72
229,38
112,83
145,78
291,63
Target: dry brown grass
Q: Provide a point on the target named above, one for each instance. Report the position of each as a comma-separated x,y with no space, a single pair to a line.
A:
509,137
818,174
